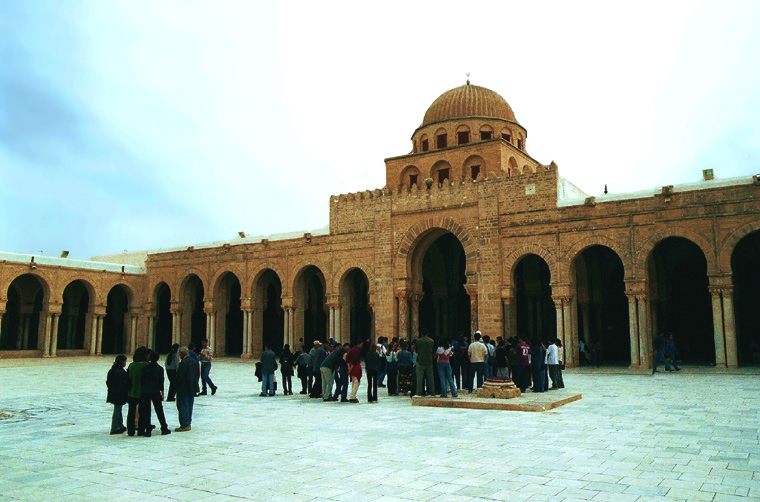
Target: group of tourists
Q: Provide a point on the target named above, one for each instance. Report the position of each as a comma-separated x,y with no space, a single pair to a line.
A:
423,367
333,372
141,387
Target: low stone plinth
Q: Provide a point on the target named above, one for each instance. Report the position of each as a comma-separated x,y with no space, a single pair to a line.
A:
535,402
498,388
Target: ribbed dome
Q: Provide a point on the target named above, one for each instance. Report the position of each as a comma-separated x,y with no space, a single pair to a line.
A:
468,101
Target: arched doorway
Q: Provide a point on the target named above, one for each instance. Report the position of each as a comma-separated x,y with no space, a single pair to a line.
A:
229,319
355,306
20,328
115,324
310,305
745,264
268,297
439,273
193,313
73,323
602,304
162,340
536,315
680,300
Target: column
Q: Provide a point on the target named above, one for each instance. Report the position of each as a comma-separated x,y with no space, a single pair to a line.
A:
292,323
729,328
645,334
403,315
718,337
561,328
212,335
415,301
25,333
93,336
99,338
47,335
338,323
54,334
150,341
246,332
133,336
506,313
472,292
331,321
567,316
633,331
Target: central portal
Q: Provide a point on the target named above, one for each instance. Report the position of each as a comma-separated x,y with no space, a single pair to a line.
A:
445,304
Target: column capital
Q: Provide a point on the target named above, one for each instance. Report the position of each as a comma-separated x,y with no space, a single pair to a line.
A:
716,291
288,302
472,291
561,299
208,307
401,293
99,310
246,304
720,280
507,293
55,308
174,307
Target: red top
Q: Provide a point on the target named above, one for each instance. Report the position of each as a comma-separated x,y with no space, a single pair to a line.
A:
354,360
523,351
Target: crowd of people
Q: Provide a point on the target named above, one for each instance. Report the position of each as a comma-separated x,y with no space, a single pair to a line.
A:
141,387
333,372
423,367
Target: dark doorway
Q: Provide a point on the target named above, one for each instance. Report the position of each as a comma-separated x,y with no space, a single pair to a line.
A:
313,298
445,305
602,305
163,321
356,291
233,316
73,321
193,313
745,263
269,292
21,322
536,315
115,326
680,300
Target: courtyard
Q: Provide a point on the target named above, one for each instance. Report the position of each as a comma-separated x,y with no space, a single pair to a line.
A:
693,435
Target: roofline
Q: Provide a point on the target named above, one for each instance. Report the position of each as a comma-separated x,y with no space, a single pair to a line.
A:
515,122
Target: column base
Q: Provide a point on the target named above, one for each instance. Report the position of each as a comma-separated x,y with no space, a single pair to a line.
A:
246,357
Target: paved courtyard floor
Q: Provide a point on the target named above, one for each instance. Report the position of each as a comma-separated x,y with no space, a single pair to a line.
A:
687,436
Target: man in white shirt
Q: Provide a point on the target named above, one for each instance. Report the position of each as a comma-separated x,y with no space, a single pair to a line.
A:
477,352
552,361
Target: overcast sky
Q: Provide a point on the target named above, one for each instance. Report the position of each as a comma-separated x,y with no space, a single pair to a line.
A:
139,125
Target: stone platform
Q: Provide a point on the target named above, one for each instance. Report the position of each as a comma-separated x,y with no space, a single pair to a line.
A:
530,401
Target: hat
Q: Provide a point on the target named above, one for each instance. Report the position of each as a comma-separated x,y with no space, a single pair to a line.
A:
317,342
477,332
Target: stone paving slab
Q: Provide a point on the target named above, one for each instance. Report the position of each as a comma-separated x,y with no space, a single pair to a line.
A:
693,436
530,401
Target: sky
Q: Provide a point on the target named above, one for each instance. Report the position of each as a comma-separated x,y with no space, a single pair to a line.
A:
142,125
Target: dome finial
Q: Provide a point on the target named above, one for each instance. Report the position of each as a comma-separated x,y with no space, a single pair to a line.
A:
468,78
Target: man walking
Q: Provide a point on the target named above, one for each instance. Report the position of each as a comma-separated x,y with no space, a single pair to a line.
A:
425,364
318,355
268,367
206,357
477,353
187,387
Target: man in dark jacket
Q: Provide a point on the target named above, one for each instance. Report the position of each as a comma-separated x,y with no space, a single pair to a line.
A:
373,364
425,364
187,388
117,382
268,367
328,368
341,377
134,372
318,355
153,391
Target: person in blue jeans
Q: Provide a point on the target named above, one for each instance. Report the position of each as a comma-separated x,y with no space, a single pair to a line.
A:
445,375
187,388
268,367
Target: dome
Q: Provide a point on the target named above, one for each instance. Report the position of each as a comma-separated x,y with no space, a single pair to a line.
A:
468,101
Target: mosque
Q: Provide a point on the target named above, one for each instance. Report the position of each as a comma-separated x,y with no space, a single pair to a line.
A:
469,232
